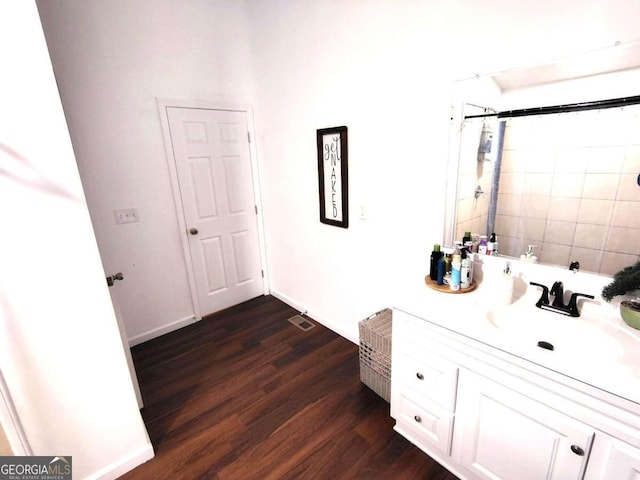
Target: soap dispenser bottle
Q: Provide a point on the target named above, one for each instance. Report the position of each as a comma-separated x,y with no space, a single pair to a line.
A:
529,256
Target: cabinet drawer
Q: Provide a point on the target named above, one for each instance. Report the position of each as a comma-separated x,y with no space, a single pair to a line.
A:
431,376
426,425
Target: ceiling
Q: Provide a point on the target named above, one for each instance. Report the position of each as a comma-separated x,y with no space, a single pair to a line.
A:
605,60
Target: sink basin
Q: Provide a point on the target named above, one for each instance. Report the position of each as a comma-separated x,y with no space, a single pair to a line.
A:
584,338
596,348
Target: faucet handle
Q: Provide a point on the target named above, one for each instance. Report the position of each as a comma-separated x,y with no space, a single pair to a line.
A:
573,303
544,298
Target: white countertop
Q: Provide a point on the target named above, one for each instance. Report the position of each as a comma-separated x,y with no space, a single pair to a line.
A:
616,370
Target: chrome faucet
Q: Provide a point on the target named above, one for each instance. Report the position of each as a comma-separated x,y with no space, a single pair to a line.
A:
558,306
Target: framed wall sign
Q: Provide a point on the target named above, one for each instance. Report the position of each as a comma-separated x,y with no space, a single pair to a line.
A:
333,176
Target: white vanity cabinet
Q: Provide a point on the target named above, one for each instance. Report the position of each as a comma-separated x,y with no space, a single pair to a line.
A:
423,406
488,415
503,434
623,463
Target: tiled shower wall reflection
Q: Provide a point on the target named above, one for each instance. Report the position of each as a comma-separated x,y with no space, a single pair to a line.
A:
569,185
472,211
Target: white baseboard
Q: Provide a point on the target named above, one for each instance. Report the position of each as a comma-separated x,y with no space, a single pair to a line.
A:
316,316
183,322
156,332
124,465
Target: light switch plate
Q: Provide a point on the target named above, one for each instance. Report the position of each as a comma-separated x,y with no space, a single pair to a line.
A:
127,215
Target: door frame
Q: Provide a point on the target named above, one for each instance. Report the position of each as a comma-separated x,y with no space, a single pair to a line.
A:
163,104
10,422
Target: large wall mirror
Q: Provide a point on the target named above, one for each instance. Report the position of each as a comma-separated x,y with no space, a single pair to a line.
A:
567,183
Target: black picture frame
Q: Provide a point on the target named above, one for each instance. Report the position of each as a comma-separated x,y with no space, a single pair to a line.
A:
333,176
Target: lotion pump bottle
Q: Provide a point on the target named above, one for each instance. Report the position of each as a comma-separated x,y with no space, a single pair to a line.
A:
529,256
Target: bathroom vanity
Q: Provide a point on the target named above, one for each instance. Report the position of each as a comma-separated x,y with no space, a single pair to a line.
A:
472,388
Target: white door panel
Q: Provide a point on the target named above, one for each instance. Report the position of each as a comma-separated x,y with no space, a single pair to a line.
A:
506,435
213,166
624,463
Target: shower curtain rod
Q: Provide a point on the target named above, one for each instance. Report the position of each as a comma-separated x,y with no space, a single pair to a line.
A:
568,107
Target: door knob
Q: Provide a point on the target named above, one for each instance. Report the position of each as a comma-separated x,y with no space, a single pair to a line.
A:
193,231
113,278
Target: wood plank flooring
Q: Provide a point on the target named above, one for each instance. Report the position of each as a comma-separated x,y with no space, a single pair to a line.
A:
244,394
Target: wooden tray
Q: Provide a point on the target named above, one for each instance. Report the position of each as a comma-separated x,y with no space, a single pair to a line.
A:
445,288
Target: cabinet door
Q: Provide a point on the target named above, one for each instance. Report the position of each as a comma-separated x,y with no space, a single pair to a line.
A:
623,464
502,434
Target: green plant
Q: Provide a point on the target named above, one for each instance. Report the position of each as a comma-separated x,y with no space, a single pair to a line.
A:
625,281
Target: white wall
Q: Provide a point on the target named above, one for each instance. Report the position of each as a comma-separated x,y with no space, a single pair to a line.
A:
383,69
112,60
60,352
5,448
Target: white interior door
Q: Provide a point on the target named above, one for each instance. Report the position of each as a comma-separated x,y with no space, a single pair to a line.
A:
213,166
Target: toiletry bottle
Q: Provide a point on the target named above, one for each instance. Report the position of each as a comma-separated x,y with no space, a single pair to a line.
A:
491,245
436,254
447,269
465,269
441,268
456,264
475,241
467,241
482,246
447,264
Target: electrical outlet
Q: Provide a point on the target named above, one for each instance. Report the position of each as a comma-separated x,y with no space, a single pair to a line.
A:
127,215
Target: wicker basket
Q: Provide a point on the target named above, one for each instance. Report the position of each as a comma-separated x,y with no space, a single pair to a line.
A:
375,352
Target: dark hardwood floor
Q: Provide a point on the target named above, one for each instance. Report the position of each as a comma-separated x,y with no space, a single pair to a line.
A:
244,395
